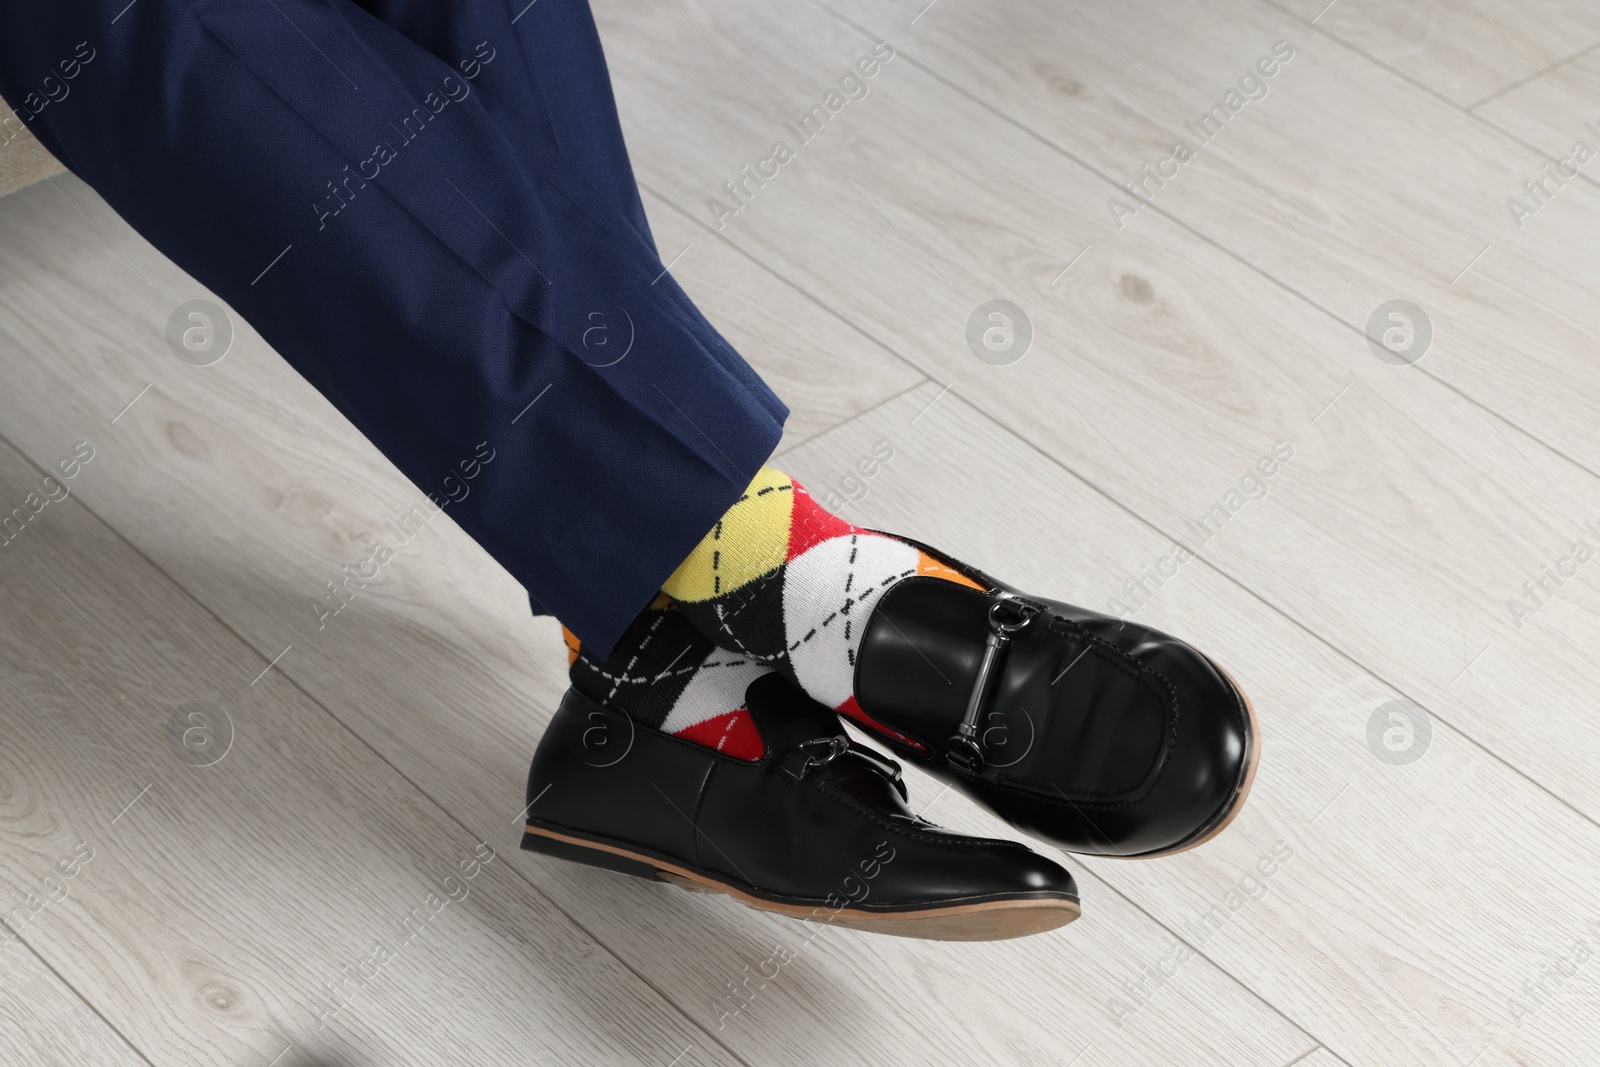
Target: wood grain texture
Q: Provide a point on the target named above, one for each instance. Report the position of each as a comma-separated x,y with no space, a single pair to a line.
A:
41,1019
1318,1057
440,670
823,368
212,910
1417,899
1550,113
1464,50
1344,183
1163,368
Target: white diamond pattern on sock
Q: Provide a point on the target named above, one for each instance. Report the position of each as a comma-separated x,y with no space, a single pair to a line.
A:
828,592
716,688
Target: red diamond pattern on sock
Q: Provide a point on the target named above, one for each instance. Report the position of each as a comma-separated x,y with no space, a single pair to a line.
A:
732,733
809,524
667,676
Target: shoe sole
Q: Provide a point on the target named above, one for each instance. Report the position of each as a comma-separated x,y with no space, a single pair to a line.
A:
1220,821
981,920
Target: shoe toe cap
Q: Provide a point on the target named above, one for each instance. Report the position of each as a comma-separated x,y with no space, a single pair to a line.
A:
1210,749
1147,745
940,865
1040,874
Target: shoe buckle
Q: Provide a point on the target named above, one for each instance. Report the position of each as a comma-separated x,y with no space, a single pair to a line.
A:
965,754
819,752
1008,615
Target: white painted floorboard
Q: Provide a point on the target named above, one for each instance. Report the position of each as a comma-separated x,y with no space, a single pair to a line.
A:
1439,911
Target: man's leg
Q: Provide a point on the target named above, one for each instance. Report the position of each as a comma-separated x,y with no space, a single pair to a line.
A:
549,69
447,279
361,203
552,90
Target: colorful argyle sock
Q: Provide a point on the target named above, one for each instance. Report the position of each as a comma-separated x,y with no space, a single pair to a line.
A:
665,674
786,583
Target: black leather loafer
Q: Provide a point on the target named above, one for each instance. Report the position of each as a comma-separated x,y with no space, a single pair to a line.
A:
1098,735
817,829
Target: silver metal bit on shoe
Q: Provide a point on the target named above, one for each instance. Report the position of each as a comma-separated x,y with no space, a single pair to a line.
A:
965,752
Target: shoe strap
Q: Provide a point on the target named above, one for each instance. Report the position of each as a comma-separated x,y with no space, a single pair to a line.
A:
1008,615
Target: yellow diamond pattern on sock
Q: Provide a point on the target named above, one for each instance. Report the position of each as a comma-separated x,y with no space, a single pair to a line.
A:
751,540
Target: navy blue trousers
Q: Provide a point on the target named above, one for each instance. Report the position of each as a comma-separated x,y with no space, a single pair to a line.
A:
427,208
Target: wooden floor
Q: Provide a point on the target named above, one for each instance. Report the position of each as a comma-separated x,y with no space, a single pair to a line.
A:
1407,597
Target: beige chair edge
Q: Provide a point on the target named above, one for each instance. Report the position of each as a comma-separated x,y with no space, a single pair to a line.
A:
23,160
